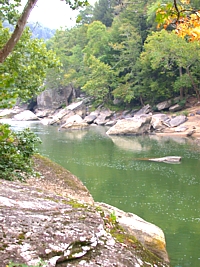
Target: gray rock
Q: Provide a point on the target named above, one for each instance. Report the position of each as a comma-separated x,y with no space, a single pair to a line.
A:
145,110
39,225
54,98
43,113
164,105
75,122
57,116
111,123
135,125
175,107
157,121
25,115
78,108
190,133
103,117
174,122
181,129
90,118
9,113
150,235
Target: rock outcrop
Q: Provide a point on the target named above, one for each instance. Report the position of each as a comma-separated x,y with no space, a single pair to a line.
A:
76,116
39,225
54,98
151,236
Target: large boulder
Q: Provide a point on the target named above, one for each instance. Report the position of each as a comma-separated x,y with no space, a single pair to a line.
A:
54,98
9,113
164,105
75,122
38,225
150,235
25,115
136,125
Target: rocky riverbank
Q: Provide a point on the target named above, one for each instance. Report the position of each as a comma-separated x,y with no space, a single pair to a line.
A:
76,116
53,219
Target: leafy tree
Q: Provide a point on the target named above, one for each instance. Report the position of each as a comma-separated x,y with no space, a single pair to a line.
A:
9,12
126,53
182,16
171,57
103,11
85,16
68,46
22,74
16,150
98,39
99,82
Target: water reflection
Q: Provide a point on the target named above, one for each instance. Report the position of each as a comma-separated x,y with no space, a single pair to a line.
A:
128,143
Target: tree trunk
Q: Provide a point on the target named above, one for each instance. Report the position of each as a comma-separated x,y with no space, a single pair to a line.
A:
193,83
141,100
9,46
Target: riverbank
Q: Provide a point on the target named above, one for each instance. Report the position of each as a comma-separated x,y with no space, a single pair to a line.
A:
192,124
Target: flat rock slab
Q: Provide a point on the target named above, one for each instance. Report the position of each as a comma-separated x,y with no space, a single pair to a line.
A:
38,225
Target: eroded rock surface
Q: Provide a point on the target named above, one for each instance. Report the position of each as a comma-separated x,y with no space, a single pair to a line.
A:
40,225
150,235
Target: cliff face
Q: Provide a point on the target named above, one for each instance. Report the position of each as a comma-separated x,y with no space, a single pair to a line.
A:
55,98
40,225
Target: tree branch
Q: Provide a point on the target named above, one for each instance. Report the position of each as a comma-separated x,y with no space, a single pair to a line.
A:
9,46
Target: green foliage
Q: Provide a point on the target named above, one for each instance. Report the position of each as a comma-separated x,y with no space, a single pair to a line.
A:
166,62
99,82
8,10
16,150
74,4
41,263
22,74
126,60
103,11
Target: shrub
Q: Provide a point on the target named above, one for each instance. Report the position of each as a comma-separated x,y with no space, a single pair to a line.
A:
16,150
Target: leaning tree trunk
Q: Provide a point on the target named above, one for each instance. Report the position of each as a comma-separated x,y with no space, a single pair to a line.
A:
193,83
9,46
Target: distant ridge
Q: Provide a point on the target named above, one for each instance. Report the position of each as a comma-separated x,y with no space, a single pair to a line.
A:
38,30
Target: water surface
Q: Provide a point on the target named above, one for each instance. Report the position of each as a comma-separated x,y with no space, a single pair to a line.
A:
115,172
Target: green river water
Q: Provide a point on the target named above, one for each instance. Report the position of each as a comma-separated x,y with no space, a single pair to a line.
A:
113,170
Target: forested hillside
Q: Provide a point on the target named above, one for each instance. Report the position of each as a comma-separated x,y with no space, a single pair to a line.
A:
118,53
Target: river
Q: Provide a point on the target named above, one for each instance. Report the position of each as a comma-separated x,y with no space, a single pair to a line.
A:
113,170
